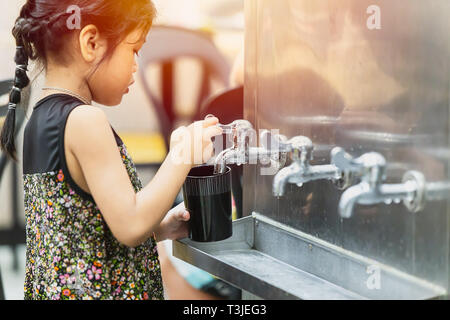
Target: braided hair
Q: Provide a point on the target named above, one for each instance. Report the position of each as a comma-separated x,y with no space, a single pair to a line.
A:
21,81
42,28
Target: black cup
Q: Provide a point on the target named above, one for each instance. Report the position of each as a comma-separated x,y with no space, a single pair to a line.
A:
207,197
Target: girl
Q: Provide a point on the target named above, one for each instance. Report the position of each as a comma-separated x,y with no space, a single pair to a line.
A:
91,226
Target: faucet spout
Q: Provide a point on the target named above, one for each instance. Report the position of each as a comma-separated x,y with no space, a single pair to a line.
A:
299,174
368,194
227,156
318,172
352,196
283,177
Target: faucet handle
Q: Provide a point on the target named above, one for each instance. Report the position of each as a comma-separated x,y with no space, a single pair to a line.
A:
344,160
371,166
274,142
301,147
346,164
236,125
241,124
279,142
301,143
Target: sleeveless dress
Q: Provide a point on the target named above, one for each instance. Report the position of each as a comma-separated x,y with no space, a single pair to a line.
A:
70,251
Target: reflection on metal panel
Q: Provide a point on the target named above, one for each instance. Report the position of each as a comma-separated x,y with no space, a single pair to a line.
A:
367,79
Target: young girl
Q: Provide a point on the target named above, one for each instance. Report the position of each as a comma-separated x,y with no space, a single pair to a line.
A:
91,226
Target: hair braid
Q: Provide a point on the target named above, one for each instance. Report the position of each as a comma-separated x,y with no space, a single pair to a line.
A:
21,31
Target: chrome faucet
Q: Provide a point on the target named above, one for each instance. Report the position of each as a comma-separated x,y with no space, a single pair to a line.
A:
301,171
241,152
371,167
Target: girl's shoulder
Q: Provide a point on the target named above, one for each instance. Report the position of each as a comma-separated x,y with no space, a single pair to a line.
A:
86,124
52,117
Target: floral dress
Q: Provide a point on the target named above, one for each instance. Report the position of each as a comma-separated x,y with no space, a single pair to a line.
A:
71,253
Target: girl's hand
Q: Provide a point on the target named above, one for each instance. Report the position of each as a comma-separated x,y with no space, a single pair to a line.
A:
174,225
192,145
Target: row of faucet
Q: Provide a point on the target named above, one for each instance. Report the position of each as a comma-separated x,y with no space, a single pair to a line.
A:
369,170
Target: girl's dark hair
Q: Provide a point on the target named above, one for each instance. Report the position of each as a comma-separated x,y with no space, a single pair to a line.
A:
42,27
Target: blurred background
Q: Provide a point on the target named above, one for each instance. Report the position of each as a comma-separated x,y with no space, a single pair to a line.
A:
193,54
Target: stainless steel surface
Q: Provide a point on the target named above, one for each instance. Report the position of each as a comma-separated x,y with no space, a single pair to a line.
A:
374,80
314,68
307,268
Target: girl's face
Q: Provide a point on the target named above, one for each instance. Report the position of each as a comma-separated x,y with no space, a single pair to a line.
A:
114,76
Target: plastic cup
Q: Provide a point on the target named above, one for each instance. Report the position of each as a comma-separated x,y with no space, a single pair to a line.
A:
207,197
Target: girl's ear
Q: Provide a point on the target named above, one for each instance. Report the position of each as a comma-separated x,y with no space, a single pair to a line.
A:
91,44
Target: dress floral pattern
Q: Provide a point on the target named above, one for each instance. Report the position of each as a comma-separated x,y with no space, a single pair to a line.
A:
72,254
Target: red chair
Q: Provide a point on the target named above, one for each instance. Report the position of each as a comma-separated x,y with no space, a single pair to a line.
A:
164,46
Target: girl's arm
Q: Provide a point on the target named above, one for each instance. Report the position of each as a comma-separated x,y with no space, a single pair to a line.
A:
132,217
